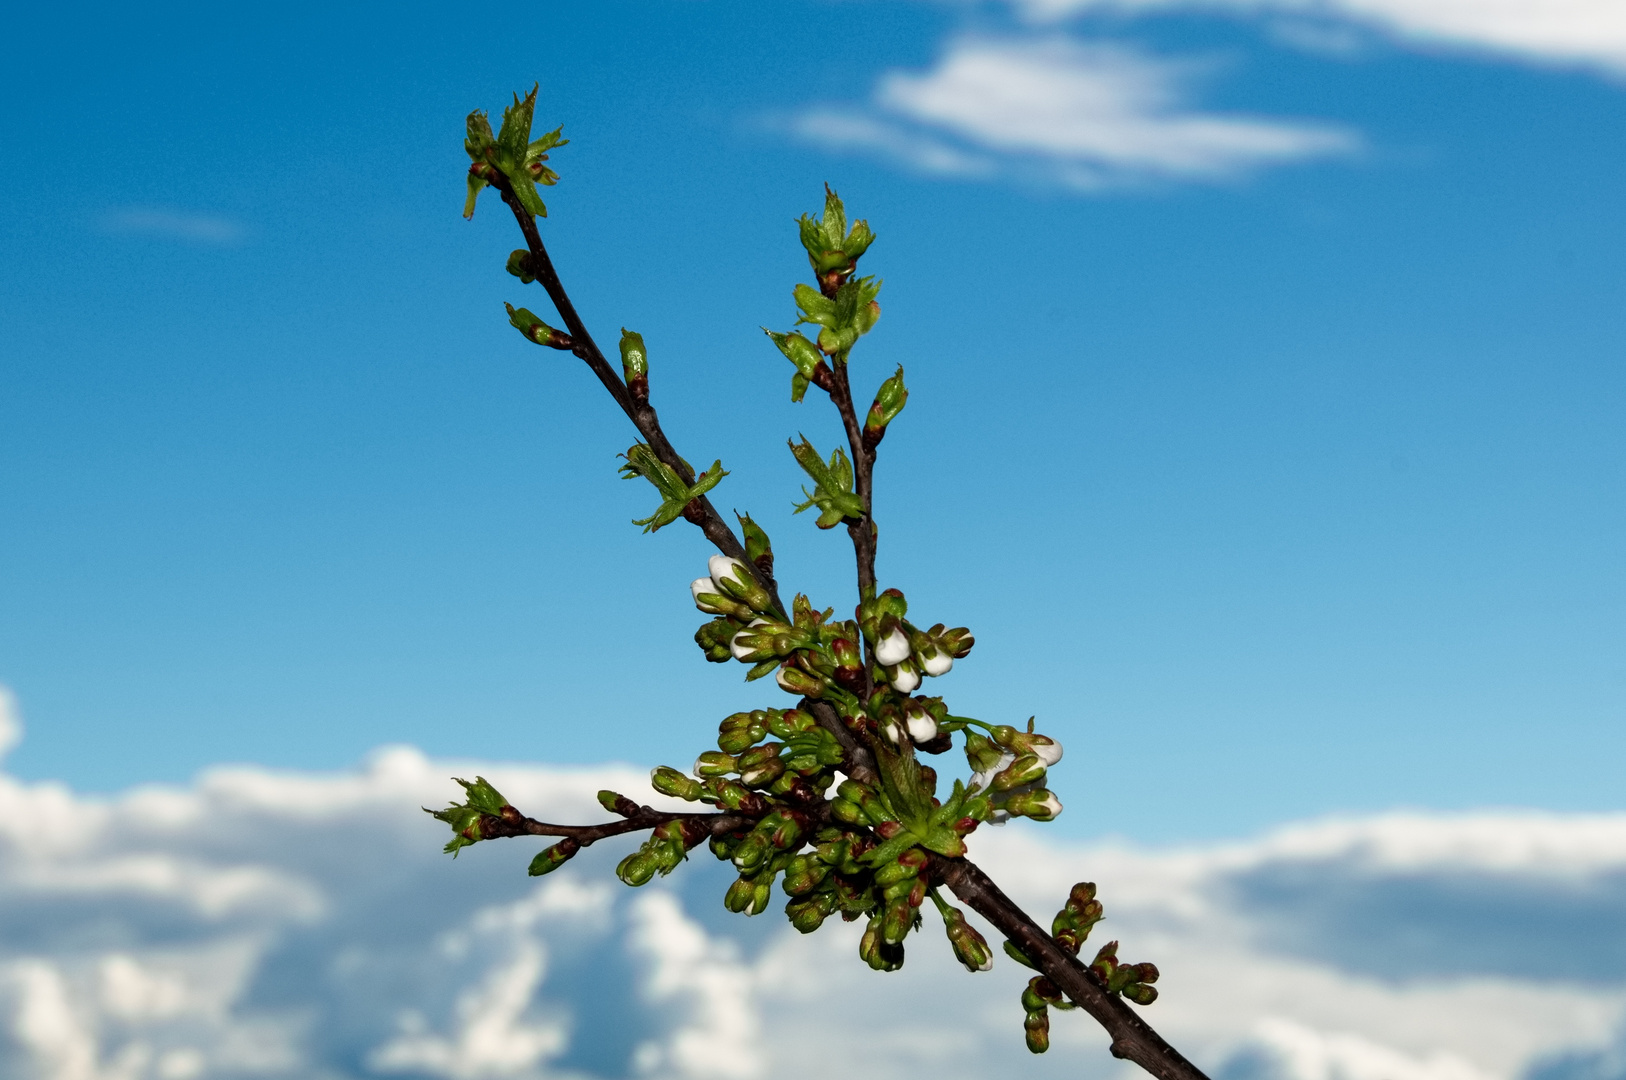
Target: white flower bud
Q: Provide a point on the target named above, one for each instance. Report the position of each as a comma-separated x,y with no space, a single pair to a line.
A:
904,678
981,780
922,728
938,663
1048,750
705,585
739,648
893,735
892,649
723,567
1046,809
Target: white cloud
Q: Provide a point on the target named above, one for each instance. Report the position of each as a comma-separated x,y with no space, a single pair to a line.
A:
1587,32
276,925
1089,115
175,224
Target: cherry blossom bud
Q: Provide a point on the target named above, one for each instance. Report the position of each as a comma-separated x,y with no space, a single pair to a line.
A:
904,678
935,663
1041,805
793,680
922,728
892,649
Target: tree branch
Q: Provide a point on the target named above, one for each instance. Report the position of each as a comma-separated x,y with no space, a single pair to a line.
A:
1132,1037
642,414
637,819
863,531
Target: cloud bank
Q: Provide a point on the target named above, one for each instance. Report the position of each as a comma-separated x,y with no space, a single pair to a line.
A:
175,225
1086,115
1581,32
281,925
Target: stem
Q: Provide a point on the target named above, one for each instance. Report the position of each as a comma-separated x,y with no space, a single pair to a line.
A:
638,818
863,457
642,414
1132,1037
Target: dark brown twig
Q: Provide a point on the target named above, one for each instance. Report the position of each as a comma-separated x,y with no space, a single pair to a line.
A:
1132,1037
639,818
642,414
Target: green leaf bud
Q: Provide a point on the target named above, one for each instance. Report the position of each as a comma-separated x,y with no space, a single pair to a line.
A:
1018,955
758,548
519,264
889,402
537,330
635,364
550,859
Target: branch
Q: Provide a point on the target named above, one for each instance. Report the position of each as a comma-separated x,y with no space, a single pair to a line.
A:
863,531
638,409
637,818
1132,1037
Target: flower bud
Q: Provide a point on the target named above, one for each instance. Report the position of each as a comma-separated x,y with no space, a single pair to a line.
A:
668,781
809,913
970,947
892,649
1036,1026
793,680
922,728
637,868
713,601
935,662
1041,805
734,579
714,763
904,678
761,765
1023,770
740,731
897,921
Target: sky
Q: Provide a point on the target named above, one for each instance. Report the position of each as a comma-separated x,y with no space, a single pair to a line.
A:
1264,427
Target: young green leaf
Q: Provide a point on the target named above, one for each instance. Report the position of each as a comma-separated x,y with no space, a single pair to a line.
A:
675,494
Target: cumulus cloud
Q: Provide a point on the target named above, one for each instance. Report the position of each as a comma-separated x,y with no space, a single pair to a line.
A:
1586,32
1088,115
278,925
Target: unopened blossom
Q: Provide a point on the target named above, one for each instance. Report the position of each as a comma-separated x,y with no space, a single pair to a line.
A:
892,649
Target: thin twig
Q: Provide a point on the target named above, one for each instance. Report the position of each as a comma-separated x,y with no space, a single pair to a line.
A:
642,414
514,823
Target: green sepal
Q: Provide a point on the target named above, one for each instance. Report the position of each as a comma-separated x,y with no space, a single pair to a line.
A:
675,494
798,387
766,667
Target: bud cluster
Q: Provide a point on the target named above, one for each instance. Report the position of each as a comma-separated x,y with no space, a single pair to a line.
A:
1010,766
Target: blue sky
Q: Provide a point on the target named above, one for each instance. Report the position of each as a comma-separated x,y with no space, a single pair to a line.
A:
1265,367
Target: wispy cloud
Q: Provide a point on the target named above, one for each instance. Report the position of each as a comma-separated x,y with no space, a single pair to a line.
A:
276,925
175,225
1586,32
1088,115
